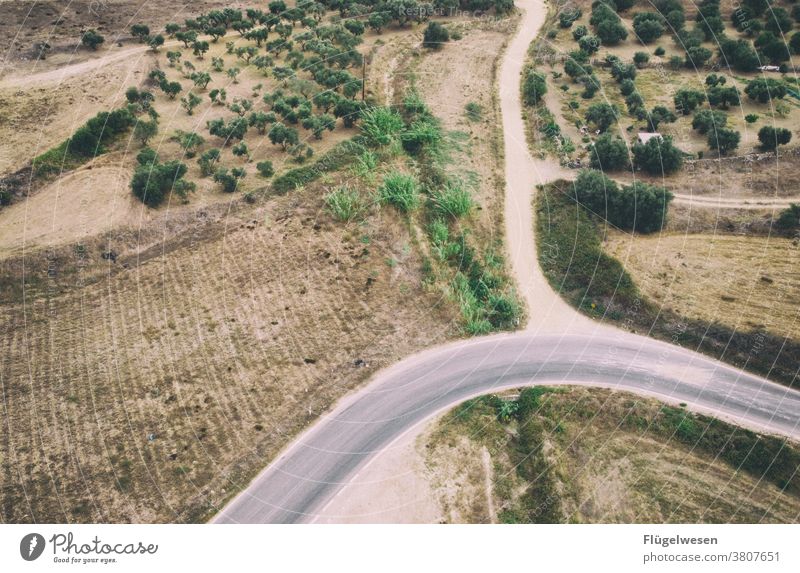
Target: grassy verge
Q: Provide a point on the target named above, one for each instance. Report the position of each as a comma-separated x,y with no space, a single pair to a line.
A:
575,264
555,451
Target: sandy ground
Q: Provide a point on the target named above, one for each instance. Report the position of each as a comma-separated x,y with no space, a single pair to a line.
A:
547,312
40,114
393,488
79,206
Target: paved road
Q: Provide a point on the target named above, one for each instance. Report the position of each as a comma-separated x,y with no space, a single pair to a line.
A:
302,480
558,346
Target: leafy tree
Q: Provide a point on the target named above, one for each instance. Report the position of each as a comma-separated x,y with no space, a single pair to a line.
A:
676,19
147,156
686,100
567,17
779,22
189,141
763,90
794,42
658,115
641,58
579,32
141,32
356,27
218,96
188,37
723,98
648,30
348,110
199,48
611,32
280,134
609,153
627,87
85,142
712,27
151,182
260,120
173,57
658,156
435,36
640,207
724,140
171,29
739,54
317,124
789,218
144,131
378,21
236,129
707,120
228,180
602,115
534,87
207,161
265,169
771,137
190,102
590,84
155,42
241,150
91,39
697,56
201,79
172,89
589,43
233,73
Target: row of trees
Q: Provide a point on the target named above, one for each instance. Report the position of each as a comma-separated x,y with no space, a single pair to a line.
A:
639,206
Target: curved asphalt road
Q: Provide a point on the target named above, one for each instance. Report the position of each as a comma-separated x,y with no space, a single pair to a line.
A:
302,480
559,346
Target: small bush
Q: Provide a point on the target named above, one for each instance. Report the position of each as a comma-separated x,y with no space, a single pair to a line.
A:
454,200
265,169
344,203
399,190
474,111
435,36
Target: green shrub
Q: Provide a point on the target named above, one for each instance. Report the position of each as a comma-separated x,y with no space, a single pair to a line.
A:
381,125
771,137
534,87
344,203
454,200
152,182
435,36
658,156
265,169
639,206
474,111
399,190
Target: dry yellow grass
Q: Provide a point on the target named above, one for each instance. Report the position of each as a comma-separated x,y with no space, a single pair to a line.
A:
603,471
744,282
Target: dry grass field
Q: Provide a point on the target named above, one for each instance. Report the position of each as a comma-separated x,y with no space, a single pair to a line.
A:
156,359
604,458
749,283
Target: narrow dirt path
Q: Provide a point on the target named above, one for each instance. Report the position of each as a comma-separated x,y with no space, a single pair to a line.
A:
547,312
